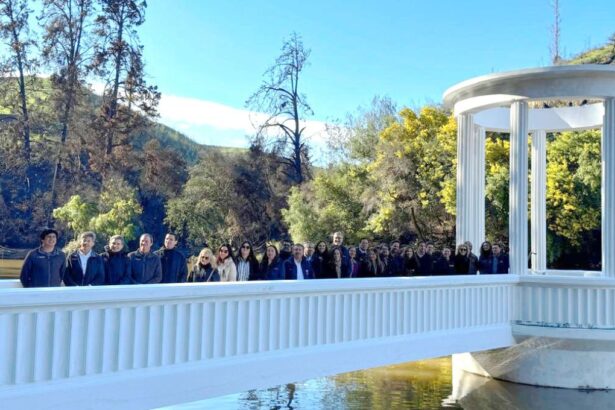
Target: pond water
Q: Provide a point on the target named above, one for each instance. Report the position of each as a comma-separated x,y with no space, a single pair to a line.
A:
429,384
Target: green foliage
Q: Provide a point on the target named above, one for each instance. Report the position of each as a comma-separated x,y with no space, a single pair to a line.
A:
115,213
573,184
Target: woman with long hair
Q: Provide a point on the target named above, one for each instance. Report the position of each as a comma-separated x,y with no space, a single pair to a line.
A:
204,270
320,261
410,263
485,259
462,260
272,266
354,264
339,267
226,266
372,266
247,264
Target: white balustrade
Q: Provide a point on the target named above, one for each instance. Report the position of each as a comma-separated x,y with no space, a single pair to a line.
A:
68,335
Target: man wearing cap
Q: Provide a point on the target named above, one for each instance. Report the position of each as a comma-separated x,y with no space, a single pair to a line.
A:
44,266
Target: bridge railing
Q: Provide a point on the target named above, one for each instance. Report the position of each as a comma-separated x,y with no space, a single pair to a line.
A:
69,333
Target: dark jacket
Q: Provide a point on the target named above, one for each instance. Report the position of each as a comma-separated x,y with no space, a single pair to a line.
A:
94,271
485,263
117,267
425,265
275,271
42,269
371,269
396,265
473,263
200,273
462,264
290,269
285,255
410,266
145,268
174,266
321,265
443,266
344,270
361,255
503,263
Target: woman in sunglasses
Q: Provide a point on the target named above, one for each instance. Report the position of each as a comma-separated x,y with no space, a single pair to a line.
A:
247,264
226,266
462,261
204,270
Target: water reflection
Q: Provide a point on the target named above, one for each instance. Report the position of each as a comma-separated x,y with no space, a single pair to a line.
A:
430,384
476,392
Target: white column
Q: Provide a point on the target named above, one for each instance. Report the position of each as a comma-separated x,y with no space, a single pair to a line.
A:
608,188
480,189
517,218
539,201
470,181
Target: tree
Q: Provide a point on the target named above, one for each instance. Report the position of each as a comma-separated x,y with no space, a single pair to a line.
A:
66,49
285,108
128,101
14,29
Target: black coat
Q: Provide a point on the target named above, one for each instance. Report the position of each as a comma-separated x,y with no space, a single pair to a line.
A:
290,269
145,268
410,266
117,267
273,271
462,264
443,266
255,271
200,273
42,269
321,265
94,271
425,266
369,269
174,266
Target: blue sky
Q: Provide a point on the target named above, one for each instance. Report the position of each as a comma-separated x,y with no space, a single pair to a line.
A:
208,57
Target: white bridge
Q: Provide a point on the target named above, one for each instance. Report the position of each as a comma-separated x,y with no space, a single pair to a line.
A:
153,345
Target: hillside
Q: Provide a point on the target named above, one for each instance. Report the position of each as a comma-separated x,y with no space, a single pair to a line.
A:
599,55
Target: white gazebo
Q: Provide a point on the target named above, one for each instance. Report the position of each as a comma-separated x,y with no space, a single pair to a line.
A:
500,102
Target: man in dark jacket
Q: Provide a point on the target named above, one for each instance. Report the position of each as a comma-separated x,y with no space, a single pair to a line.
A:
174,266
84,267
500,259
425,261
145,265
297,267
116,262
44,266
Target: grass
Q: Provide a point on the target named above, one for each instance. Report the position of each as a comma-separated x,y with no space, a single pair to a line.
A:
10,268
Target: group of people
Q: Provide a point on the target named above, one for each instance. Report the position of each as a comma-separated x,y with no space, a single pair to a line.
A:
48,266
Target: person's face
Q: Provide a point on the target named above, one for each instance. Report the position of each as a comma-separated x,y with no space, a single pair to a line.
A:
309,250
385,251
205,259
116,245
270,253
223,252
286,246
394,247
145,244
496,249
371,255
321,247
446,253
430,249
170,241
245,250
463,250
337,255
486,246
50,240
298,252
86,244
422,247
469,246
352,252
364,244
337,239
409,252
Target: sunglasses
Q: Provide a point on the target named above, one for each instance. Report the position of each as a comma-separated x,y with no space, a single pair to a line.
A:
245,247
223,251
204,257
462,250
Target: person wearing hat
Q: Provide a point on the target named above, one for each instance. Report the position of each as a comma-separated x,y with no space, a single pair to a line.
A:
44,266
